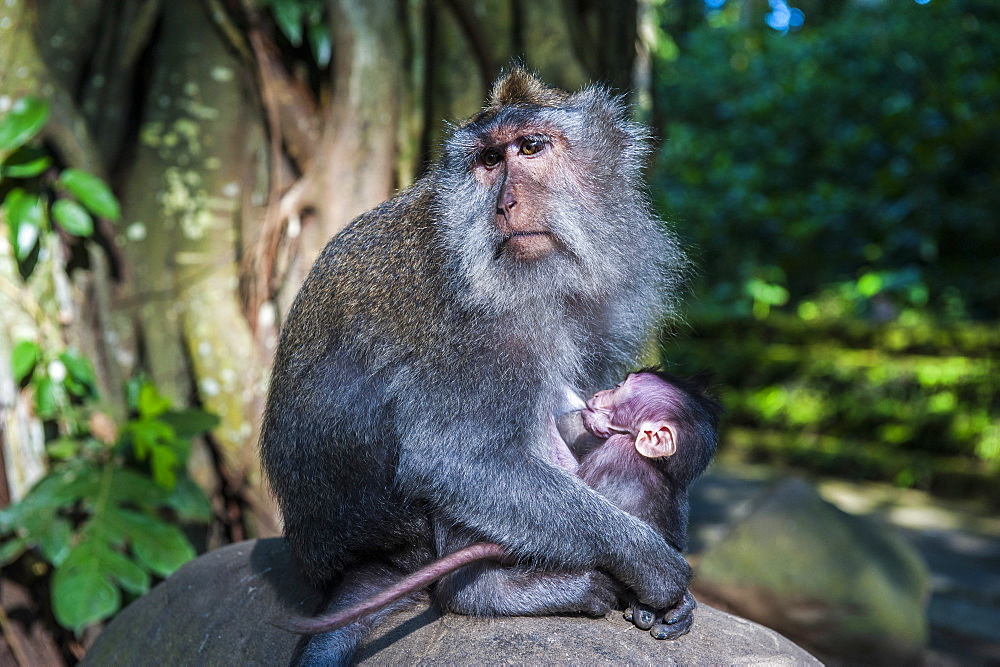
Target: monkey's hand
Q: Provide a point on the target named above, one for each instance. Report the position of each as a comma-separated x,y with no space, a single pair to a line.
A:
669,623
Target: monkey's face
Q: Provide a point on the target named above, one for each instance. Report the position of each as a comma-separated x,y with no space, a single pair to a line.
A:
639,398
641,406
608,412
541,201
517,167
524,204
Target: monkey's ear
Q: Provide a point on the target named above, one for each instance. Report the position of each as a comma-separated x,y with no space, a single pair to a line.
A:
656,440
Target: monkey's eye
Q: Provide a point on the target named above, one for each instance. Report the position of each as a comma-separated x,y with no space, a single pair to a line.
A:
531,146
491,157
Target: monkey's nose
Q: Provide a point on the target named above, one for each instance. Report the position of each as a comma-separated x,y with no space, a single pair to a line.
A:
506,203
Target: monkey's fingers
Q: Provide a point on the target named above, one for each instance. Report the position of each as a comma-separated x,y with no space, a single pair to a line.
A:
677,620
641,616
663,631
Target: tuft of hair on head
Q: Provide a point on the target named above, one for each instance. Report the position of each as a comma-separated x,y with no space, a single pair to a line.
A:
519,87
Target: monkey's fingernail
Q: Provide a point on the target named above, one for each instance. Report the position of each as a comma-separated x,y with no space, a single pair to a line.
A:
646,617
628,614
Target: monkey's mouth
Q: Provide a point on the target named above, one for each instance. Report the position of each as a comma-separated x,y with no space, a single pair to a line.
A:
598,422
529,245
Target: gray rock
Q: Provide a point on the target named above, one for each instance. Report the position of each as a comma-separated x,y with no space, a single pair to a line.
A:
845,587
218,610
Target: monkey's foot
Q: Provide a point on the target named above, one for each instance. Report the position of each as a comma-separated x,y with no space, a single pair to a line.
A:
669,623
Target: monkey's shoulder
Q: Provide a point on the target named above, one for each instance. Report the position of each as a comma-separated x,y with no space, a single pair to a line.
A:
381,276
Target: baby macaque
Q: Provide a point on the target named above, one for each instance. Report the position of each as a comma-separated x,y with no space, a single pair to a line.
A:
660,433
646,441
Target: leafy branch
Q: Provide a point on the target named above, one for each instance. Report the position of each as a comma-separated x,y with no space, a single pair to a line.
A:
103,518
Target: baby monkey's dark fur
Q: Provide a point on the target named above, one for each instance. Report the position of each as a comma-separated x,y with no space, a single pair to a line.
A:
419,369
651,483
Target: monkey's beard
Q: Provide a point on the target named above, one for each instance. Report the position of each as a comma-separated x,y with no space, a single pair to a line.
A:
612,275
507,274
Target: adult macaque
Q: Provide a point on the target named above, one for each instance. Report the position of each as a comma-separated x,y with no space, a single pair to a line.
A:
657,435
420,366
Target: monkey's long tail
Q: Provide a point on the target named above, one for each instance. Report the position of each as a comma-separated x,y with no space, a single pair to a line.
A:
405,586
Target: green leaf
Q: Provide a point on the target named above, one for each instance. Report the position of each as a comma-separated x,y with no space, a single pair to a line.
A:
80,370
319,38
147,435
73,218
26,119
151,403
54,541
26,219
125,571
11,549
24,358
36,516
161,547
62,448
189,423
49,398
10,517
25,162
92,193
81,592
130,488
189,501
163,463
63,487
288,16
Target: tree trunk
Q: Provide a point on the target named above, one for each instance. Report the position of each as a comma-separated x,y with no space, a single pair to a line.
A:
355,164
189,196
222,151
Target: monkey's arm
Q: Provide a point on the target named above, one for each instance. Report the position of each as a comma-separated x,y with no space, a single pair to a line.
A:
485,472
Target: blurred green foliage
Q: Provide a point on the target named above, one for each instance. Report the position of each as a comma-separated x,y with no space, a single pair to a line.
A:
104,516
840,186
306,26
916,403
33,193
854,162
104,519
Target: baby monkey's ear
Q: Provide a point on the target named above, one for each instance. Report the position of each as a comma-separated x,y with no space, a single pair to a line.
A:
656,439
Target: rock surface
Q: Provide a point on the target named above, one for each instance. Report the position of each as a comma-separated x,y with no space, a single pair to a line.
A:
845,586
219,609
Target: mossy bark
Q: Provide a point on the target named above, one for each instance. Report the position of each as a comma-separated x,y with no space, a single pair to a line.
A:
193,189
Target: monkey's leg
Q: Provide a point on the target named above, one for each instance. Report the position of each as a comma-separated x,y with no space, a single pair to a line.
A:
337,647
488,589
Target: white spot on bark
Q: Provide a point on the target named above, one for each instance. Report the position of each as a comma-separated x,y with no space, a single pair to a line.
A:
266,315
222,74
294,227
228,377
136,231
209,387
